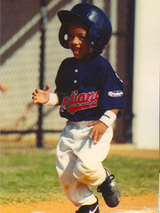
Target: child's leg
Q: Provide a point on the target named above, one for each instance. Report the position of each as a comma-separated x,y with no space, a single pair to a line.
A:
66,159
89,169
79,161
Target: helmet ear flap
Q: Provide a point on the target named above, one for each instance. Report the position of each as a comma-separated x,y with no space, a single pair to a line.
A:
63,36
98,39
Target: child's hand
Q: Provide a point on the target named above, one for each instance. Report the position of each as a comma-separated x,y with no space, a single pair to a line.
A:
98,130
4,88
41,96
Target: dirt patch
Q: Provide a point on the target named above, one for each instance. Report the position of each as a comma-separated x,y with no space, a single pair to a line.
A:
145,204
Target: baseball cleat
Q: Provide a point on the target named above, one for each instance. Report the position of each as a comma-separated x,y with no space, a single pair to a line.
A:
93,208
109,190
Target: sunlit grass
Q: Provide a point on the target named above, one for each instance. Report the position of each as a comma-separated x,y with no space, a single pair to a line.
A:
33,178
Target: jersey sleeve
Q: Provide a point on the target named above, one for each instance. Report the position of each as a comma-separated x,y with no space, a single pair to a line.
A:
60,81
111,95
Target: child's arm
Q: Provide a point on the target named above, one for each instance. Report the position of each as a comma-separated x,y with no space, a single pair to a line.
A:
99,127
44,96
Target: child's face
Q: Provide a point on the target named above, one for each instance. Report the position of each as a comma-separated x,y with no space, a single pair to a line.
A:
78,41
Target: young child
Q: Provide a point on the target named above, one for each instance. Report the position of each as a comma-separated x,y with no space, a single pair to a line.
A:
91,95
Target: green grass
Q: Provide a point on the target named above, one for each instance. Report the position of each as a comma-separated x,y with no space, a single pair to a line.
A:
135,176
31,178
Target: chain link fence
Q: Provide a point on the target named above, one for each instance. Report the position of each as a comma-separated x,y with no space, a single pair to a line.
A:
30,57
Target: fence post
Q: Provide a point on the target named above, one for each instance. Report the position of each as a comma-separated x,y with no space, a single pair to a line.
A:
129,74
42,70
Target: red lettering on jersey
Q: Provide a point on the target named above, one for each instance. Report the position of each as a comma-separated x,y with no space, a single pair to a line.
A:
81,98
76,102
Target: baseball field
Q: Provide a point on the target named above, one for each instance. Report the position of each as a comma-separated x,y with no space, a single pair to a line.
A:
29,182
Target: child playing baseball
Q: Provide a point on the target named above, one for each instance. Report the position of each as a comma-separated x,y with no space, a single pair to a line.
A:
90,95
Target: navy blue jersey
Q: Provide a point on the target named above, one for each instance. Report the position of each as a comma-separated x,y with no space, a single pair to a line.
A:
87,89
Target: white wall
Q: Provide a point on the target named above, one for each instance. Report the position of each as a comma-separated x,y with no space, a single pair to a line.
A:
146,74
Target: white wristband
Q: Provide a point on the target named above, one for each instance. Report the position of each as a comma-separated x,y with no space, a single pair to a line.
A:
53,99
108,118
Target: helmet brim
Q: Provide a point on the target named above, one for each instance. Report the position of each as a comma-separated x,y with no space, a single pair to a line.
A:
68,17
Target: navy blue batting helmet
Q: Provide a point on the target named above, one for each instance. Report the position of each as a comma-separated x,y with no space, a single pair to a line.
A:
100,28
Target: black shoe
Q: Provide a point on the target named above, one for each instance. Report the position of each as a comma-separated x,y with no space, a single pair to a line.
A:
94,208
109,190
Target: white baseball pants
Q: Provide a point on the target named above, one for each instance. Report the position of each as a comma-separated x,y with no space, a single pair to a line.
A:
79,161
